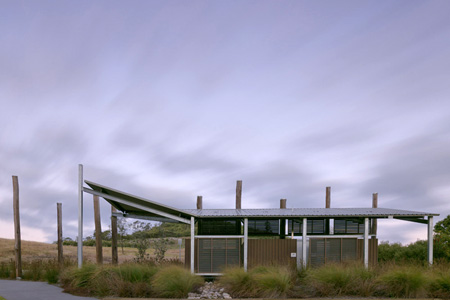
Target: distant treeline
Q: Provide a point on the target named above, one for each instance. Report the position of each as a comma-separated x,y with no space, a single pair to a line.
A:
417,252
128,233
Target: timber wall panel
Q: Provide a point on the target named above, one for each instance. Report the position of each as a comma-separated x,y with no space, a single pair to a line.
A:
271,252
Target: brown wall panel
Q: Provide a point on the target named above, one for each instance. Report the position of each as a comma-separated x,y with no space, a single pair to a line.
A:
271,251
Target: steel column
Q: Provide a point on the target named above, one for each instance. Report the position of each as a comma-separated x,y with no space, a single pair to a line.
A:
430,240
304,228
80,216
246,244
192,244
366,243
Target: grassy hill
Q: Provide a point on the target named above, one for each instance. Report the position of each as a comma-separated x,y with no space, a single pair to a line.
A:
36,250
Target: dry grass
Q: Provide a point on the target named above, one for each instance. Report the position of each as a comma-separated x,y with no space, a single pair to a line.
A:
35,250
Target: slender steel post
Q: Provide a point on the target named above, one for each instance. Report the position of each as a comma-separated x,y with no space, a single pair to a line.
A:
192,244
366,243
246,244
304,227
430,240
80,216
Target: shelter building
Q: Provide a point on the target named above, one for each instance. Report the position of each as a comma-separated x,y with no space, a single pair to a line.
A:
229,237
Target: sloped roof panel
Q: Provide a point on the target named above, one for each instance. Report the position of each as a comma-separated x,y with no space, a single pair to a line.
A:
308,212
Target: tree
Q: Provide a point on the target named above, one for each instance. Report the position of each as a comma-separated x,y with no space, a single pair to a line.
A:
121,231
443,227
442,239
140,237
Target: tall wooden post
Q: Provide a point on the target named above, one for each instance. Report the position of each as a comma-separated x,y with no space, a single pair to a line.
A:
238,194
328,222
282,221
328,197
98,231
199,202
17,245
115,256
374,205
60,241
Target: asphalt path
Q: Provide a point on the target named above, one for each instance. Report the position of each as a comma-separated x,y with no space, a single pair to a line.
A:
32,290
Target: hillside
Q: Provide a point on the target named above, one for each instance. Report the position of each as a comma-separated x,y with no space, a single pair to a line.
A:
36,250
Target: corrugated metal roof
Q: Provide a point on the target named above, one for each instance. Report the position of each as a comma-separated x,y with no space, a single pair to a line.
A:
131,204
308,212
135,204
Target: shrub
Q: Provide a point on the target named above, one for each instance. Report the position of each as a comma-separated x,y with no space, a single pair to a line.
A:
128,280
135,272
440,286
272,281
8,270
175,282
329,280
238,283
32,270
403,282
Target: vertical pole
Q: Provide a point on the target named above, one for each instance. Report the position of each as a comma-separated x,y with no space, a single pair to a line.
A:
199,202
328,197
245,244
328,205
192,245
366,242
374,228
430,240
98,231
298,258
304,227
114,254
282,221
238,194
60,241
374,205
17,245
80,216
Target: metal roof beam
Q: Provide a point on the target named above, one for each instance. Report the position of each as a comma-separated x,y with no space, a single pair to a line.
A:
143,217
412,219
141,207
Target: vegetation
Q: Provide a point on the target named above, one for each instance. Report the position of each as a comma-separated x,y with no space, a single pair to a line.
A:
175,282
130,280
341,280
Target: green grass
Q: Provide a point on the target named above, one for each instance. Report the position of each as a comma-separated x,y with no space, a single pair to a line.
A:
238,283
175,282
130,280
404,282
272,282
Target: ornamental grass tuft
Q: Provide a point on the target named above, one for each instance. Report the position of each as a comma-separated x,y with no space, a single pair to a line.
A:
175,282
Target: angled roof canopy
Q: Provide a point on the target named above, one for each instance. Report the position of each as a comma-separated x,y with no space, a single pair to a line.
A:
138,207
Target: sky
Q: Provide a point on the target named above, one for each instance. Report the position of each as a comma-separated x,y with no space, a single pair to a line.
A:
172,99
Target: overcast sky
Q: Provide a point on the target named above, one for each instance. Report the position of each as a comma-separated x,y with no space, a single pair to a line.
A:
173,99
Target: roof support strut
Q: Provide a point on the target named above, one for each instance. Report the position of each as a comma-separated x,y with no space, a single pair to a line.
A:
142,207
430,240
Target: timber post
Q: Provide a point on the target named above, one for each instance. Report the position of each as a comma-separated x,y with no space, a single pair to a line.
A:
98,231
17,245
115,256
60,239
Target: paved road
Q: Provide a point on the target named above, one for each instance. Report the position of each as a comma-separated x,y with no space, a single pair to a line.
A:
31,290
